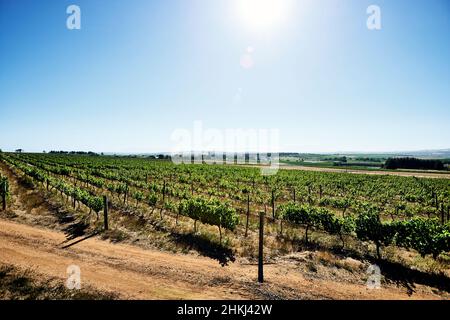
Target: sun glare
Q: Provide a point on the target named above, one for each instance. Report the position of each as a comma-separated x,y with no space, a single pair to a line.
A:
263,14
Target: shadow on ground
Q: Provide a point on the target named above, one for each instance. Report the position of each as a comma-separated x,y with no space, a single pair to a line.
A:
75,228
408,278
190,241
392,271
204,247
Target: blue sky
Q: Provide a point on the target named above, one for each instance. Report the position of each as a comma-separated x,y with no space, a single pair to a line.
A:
138,70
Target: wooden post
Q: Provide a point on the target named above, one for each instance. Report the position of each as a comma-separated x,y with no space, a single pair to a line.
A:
126,194
442,214
105,212
273,205
436,201
261,248
4,197
248,214
164,191
171,183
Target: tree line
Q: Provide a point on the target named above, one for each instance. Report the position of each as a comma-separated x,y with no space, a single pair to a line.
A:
413,163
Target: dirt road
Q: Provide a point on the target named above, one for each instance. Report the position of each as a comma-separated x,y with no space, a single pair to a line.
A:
401,173
135,273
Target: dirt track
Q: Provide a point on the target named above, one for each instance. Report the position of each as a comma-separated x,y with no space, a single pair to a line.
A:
371,172
149,274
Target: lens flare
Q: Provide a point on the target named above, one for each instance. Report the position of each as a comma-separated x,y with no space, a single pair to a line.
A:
263,14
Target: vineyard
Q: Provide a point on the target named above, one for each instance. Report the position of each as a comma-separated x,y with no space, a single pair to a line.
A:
407,212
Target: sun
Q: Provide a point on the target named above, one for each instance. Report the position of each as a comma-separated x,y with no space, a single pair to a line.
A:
263,14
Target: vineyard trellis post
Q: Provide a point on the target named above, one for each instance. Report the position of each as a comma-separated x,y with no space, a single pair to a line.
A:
436,202
125,196
4,191
273,204
248,214
261,248
105,212
164,191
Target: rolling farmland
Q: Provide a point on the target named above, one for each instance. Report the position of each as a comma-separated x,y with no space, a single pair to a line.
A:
229,197
213,210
